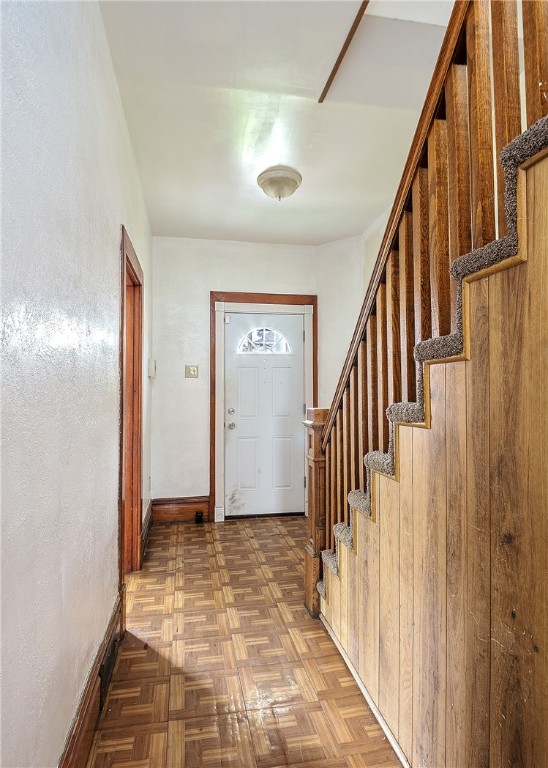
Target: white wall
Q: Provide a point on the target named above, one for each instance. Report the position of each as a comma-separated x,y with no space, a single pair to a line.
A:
69,182
344,269
185,271
341,288
371,242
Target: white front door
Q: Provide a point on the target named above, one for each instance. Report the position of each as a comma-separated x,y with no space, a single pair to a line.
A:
264,399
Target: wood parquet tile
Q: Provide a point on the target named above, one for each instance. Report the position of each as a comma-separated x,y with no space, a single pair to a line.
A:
135,747
157,631
222,665
293,612
136,703
240,559
330,677
135,662
196,624
262,618
287,589
147,602
252,648
200,579
199,599
352,724
292,735
311,642
244,575
210,742
157,581
205,693
276,684
205,654
249,594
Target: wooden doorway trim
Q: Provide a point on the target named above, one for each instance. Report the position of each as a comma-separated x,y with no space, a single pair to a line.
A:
131,393
250,298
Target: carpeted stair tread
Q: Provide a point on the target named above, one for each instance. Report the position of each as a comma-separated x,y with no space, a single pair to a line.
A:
343,534
329,560
358,500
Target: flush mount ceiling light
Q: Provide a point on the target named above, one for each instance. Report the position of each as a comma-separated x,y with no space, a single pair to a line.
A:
279,181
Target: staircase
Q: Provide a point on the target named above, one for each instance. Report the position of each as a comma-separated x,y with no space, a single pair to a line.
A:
428,491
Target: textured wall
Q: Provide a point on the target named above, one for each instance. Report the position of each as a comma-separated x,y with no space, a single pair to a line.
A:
344,268
185,271
341,289
68,183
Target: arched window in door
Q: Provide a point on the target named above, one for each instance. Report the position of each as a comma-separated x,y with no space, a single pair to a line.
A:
262,341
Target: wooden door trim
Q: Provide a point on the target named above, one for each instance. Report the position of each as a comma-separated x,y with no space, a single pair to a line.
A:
250,298
130,267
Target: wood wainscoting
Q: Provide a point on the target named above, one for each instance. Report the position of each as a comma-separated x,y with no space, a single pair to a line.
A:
180,509
440,603
80,737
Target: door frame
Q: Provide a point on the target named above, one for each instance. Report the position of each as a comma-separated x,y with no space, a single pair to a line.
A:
217,300
130,525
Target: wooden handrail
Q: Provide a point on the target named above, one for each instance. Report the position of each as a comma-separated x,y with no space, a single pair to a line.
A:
445,59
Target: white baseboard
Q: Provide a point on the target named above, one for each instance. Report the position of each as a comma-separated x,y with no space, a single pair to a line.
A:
219,514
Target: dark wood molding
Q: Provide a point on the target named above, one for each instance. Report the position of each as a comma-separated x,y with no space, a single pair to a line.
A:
129,253
344,49
435,91
315,472
180,509
146,528
80,736
251,298
130,540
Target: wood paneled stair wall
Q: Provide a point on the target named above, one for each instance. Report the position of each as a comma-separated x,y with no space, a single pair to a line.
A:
428,491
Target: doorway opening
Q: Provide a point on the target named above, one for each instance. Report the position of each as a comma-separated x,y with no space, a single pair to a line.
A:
256,441
131,357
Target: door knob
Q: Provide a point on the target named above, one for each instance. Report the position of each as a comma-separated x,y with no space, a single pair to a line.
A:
231,425
231,411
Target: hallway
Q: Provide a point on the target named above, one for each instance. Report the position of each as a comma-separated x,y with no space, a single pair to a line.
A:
221,664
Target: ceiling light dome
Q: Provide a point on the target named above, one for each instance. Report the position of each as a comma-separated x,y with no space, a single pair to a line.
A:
279,181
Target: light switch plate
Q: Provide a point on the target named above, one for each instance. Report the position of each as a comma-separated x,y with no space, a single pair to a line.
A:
191,371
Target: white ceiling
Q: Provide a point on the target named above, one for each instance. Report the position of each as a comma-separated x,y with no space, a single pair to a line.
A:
215,92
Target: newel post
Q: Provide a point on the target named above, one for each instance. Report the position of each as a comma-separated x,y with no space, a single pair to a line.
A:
315,420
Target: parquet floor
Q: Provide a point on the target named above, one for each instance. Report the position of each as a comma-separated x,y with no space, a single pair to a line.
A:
222,665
